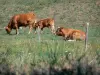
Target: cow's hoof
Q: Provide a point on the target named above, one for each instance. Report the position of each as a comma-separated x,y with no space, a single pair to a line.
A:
17,33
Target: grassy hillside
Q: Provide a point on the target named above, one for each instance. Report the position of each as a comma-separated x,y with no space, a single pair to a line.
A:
24,52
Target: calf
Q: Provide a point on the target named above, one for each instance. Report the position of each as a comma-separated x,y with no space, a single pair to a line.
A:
49,22
70,34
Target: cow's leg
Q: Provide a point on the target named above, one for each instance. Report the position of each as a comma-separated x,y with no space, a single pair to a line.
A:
17,32
30,29
35,30
53,29
41,28
65,37
34,25
74,37
71,38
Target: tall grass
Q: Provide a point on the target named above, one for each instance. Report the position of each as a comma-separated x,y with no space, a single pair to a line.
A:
43,54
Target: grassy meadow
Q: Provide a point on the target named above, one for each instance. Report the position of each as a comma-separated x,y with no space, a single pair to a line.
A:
23,52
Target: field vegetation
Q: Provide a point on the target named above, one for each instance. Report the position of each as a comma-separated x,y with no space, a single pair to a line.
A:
24,54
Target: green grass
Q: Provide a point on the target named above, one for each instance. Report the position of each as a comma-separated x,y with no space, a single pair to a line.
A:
18,50
24,49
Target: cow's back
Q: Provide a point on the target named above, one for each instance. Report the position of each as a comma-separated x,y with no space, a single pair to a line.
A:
24,18
78,35
46,22
50,21
67,31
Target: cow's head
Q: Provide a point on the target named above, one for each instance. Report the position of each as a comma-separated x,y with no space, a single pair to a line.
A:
8,30
59,31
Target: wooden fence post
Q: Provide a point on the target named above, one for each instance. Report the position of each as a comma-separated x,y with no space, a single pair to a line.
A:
86,40
38,32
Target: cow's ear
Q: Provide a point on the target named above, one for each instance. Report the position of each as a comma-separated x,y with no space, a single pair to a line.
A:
58,29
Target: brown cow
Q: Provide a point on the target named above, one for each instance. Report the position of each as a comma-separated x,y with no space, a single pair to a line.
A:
70,34
21,20
49,22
